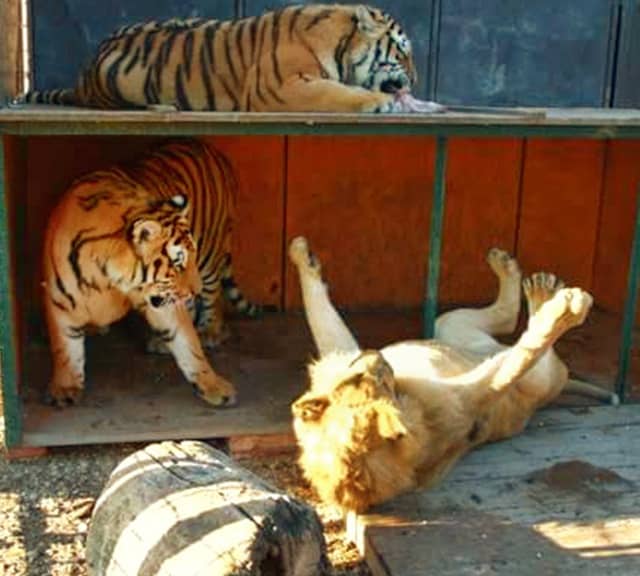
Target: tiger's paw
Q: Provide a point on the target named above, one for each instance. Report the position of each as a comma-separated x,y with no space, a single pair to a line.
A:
64,394
215,390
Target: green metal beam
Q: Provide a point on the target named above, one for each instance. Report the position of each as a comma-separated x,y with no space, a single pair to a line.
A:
133,128
430,308
9,377
628,320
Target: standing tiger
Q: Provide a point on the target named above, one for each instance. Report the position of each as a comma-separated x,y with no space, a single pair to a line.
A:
146,236
312,58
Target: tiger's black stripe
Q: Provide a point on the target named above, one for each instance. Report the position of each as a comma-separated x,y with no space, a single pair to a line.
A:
258,67
275,40
181,94
62,288
227,53
319,18
240,27
187,50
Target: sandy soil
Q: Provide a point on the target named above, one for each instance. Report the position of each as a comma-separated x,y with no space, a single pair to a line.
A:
46,504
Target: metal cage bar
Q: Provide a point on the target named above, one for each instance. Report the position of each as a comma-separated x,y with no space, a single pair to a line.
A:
430,308
628,319
8,360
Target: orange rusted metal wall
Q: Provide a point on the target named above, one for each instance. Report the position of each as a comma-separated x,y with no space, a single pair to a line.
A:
562,205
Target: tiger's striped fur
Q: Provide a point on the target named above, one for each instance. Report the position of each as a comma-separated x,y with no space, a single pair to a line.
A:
323,58
147,236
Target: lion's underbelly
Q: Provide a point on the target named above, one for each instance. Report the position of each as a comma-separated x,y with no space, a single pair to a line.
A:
424,359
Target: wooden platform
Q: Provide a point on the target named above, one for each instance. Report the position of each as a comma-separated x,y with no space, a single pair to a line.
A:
592,122
134,396
562,498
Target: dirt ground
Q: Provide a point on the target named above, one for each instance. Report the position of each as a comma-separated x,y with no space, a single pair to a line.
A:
46,503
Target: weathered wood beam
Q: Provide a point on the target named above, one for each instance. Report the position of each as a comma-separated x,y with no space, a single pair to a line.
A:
10,49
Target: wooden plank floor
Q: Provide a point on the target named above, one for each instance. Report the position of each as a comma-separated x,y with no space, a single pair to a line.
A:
561,498
133,396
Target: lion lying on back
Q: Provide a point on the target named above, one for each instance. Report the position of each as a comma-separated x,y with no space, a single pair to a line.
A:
376,423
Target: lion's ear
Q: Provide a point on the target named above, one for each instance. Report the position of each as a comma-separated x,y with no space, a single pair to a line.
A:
389,420
310,408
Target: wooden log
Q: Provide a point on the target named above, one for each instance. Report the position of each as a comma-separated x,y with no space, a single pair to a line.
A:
184,508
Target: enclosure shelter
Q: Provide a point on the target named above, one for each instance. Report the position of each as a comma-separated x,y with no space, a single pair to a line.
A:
539,157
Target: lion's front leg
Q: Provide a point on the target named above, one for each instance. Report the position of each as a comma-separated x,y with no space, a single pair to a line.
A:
329,331
567,308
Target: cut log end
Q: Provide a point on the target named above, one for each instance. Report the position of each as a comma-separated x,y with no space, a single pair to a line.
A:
178,504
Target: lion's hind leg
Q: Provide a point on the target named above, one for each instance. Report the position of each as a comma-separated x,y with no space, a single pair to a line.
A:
472,329
538,288
329,331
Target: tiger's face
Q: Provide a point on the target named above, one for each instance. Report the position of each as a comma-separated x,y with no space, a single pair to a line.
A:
163,242
382,57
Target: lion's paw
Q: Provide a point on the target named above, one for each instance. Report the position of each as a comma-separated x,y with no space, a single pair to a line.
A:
302,257
567,308
540,287
503,264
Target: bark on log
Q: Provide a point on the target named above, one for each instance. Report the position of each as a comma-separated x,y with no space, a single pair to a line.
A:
186,509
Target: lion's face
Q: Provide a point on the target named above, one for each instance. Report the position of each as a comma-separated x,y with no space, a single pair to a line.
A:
344,426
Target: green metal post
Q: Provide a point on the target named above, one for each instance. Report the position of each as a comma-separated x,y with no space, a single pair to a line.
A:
8,376
629,308
435,238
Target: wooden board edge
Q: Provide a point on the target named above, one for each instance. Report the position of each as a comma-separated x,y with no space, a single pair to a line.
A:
250,445
25,452
356,531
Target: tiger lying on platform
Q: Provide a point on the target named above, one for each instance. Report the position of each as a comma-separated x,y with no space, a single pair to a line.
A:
376,423
322,58
126,238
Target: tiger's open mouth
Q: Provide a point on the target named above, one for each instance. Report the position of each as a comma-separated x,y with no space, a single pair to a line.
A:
158,301
393,85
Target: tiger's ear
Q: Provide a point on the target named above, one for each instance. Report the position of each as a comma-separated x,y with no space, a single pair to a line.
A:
367,24
310,408
145,230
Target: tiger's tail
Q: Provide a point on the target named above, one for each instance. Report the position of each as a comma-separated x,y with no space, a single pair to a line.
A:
60,97
233,294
